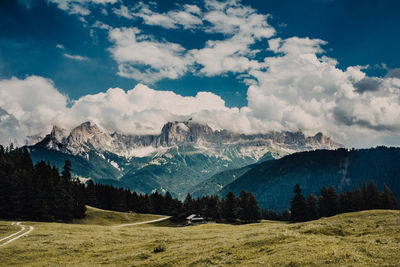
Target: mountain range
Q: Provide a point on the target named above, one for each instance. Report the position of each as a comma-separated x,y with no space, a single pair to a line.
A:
180,159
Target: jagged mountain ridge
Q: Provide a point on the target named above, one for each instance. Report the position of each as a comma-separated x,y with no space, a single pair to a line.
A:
88,136
181,156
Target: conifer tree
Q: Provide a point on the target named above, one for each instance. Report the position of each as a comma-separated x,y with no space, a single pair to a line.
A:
253,209
298,210
189,205
373,197
388,199
229,209
312,207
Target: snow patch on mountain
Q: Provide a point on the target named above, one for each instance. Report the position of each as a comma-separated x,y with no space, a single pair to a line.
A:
115,165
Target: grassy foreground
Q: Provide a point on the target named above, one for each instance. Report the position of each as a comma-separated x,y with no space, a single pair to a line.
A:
104,217
368,238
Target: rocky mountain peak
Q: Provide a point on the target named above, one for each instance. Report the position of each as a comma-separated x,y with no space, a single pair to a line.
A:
89,135
85,131
58,134
178,132
321,140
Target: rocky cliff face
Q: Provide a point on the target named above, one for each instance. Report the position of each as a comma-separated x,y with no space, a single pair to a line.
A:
89,137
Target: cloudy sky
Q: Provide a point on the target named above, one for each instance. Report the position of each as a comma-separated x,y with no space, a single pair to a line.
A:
248,66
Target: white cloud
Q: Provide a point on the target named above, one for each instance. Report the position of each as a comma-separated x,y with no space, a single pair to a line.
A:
134,51
186,16
33,104
142,58
243,26
80,7
142,110
123,11
60,46
75,57
101,25
301,88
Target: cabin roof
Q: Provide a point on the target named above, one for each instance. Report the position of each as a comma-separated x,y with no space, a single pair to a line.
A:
194,217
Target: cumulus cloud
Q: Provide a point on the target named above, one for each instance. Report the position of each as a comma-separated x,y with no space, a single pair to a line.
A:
30,105
186,16
142,110
80,7
368,84
395,73
243,26
301,88
142,58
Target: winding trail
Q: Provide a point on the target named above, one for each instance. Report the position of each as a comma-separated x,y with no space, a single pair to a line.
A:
16,235
152,221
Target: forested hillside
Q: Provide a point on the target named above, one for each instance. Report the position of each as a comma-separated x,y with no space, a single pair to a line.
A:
272,181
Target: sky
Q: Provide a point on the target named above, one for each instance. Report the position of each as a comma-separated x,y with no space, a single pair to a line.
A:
328,66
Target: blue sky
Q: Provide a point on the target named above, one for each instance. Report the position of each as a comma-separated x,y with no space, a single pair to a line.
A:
84,47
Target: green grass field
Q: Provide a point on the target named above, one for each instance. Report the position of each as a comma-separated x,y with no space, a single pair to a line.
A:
7,229
368,238
103,217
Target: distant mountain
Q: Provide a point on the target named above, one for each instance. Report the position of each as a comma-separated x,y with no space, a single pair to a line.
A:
183,155
272,181
217,182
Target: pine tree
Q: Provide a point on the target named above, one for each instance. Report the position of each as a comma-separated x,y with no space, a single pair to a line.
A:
373,197
189,205
312,207
242,201
285,216
229,209
91,194
357,200
388,199
328,202
298,210
253,209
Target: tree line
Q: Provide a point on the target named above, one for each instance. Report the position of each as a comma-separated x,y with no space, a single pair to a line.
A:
40,192
37,192
330,203
243,208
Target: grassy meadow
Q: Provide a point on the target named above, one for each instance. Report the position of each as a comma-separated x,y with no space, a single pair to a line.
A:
107,218
367,238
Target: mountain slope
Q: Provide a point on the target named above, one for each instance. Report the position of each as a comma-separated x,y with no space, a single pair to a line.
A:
272,182
215,183
183,155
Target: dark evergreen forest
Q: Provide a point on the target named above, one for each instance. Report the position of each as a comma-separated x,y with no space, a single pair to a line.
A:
37,192
40,192
329,203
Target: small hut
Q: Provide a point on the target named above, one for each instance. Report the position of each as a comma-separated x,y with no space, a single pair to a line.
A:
195,219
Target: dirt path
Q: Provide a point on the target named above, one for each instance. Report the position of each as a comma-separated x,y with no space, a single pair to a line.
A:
17,235
157,220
